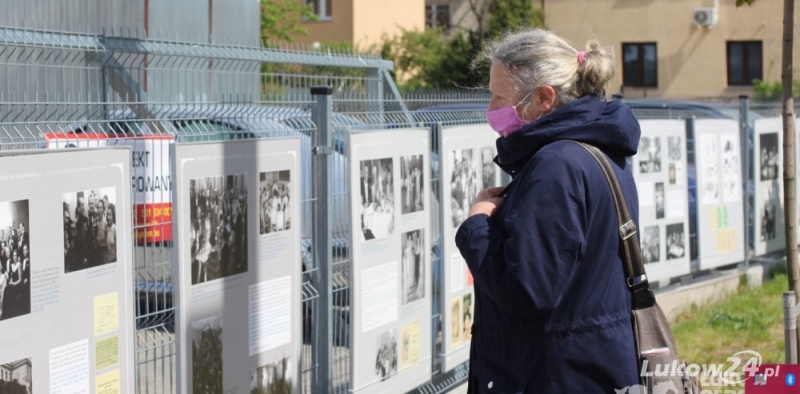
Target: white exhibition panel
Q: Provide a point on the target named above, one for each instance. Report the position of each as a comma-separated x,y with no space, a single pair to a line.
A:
66,314
768,179
467,154
391,260
238,268
659,169
720,217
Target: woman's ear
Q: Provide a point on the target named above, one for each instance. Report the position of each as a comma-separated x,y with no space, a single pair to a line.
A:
546,99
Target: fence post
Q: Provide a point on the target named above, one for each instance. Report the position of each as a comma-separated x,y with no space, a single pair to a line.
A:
744,131
322,148
790,327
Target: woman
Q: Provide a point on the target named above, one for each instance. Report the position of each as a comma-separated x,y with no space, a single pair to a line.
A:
111,235
552,309
12,300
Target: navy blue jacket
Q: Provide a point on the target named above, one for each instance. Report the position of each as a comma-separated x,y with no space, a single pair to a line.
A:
552,308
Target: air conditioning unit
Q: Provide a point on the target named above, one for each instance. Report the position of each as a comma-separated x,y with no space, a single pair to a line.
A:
705,17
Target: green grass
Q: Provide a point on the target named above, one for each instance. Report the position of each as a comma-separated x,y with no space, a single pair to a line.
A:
748,319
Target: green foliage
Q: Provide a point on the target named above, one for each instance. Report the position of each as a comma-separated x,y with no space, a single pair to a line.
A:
773,91
740,3
434,59
507,15
280,19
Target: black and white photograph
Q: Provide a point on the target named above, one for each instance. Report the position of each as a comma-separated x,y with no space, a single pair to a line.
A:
651,245
768,220
769,156
272,378
673,174
90,228
674,148
730,169
16,377
650,154
466,317
274,201
15,262
489,168
207,355
660,200
412,184
386,355
377,198
707,167
218,215
413,266
676,241
465,183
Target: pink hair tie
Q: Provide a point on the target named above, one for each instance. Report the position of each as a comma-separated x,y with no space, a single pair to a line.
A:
581,58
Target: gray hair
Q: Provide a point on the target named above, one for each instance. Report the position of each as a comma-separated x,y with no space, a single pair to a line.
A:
539,57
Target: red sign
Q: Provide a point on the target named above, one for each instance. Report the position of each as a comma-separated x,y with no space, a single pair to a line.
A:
772,379
153,222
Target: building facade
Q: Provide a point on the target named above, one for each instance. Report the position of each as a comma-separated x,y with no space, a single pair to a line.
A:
362,23
662,50
17,373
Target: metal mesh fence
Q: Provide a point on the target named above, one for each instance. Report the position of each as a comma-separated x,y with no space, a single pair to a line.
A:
62,89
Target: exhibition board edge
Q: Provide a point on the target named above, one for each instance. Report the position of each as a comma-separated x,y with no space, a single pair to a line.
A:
128,291
350,131
181,382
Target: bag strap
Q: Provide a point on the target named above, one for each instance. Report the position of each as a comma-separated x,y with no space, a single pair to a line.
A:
635,274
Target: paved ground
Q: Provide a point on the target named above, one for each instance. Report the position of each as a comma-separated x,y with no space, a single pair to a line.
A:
459,390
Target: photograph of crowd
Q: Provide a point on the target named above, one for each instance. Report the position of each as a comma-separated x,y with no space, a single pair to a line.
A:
676,241
489,168
413,266
386,355
412,184
16,377
769,156
274,201
768,220
674,148
15,264
660,200
377,198
455,321
651,245
465,183
218,207
207,355
466,318
90,228
650,154
272,378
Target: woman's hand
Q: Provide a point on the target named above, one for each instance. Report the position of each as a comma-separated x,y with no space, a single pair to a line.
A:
487,202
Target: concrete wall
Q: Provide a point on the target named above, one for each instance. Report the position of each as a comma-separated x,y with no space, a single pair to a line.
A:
374,18
691,59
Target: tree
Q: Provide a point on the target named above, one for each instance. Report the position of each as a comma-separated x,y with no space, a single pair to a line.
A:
280,19
512,14
789,191
434,59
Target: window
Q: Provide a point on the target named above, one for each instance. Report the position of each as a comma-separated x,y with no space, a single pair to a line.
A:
744,62
322,8
437,16
640,65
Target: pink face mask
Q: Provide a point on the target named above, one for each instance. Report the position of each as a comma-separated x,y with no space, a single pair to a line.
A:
505,121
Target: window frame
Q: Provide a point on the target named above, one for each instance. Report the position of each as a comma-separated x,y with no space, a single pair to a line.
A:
324,9
434,13
747,77
640,83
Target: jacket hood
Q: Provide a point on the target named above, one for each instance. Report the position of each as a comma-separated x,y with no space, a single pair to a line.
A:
608,125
